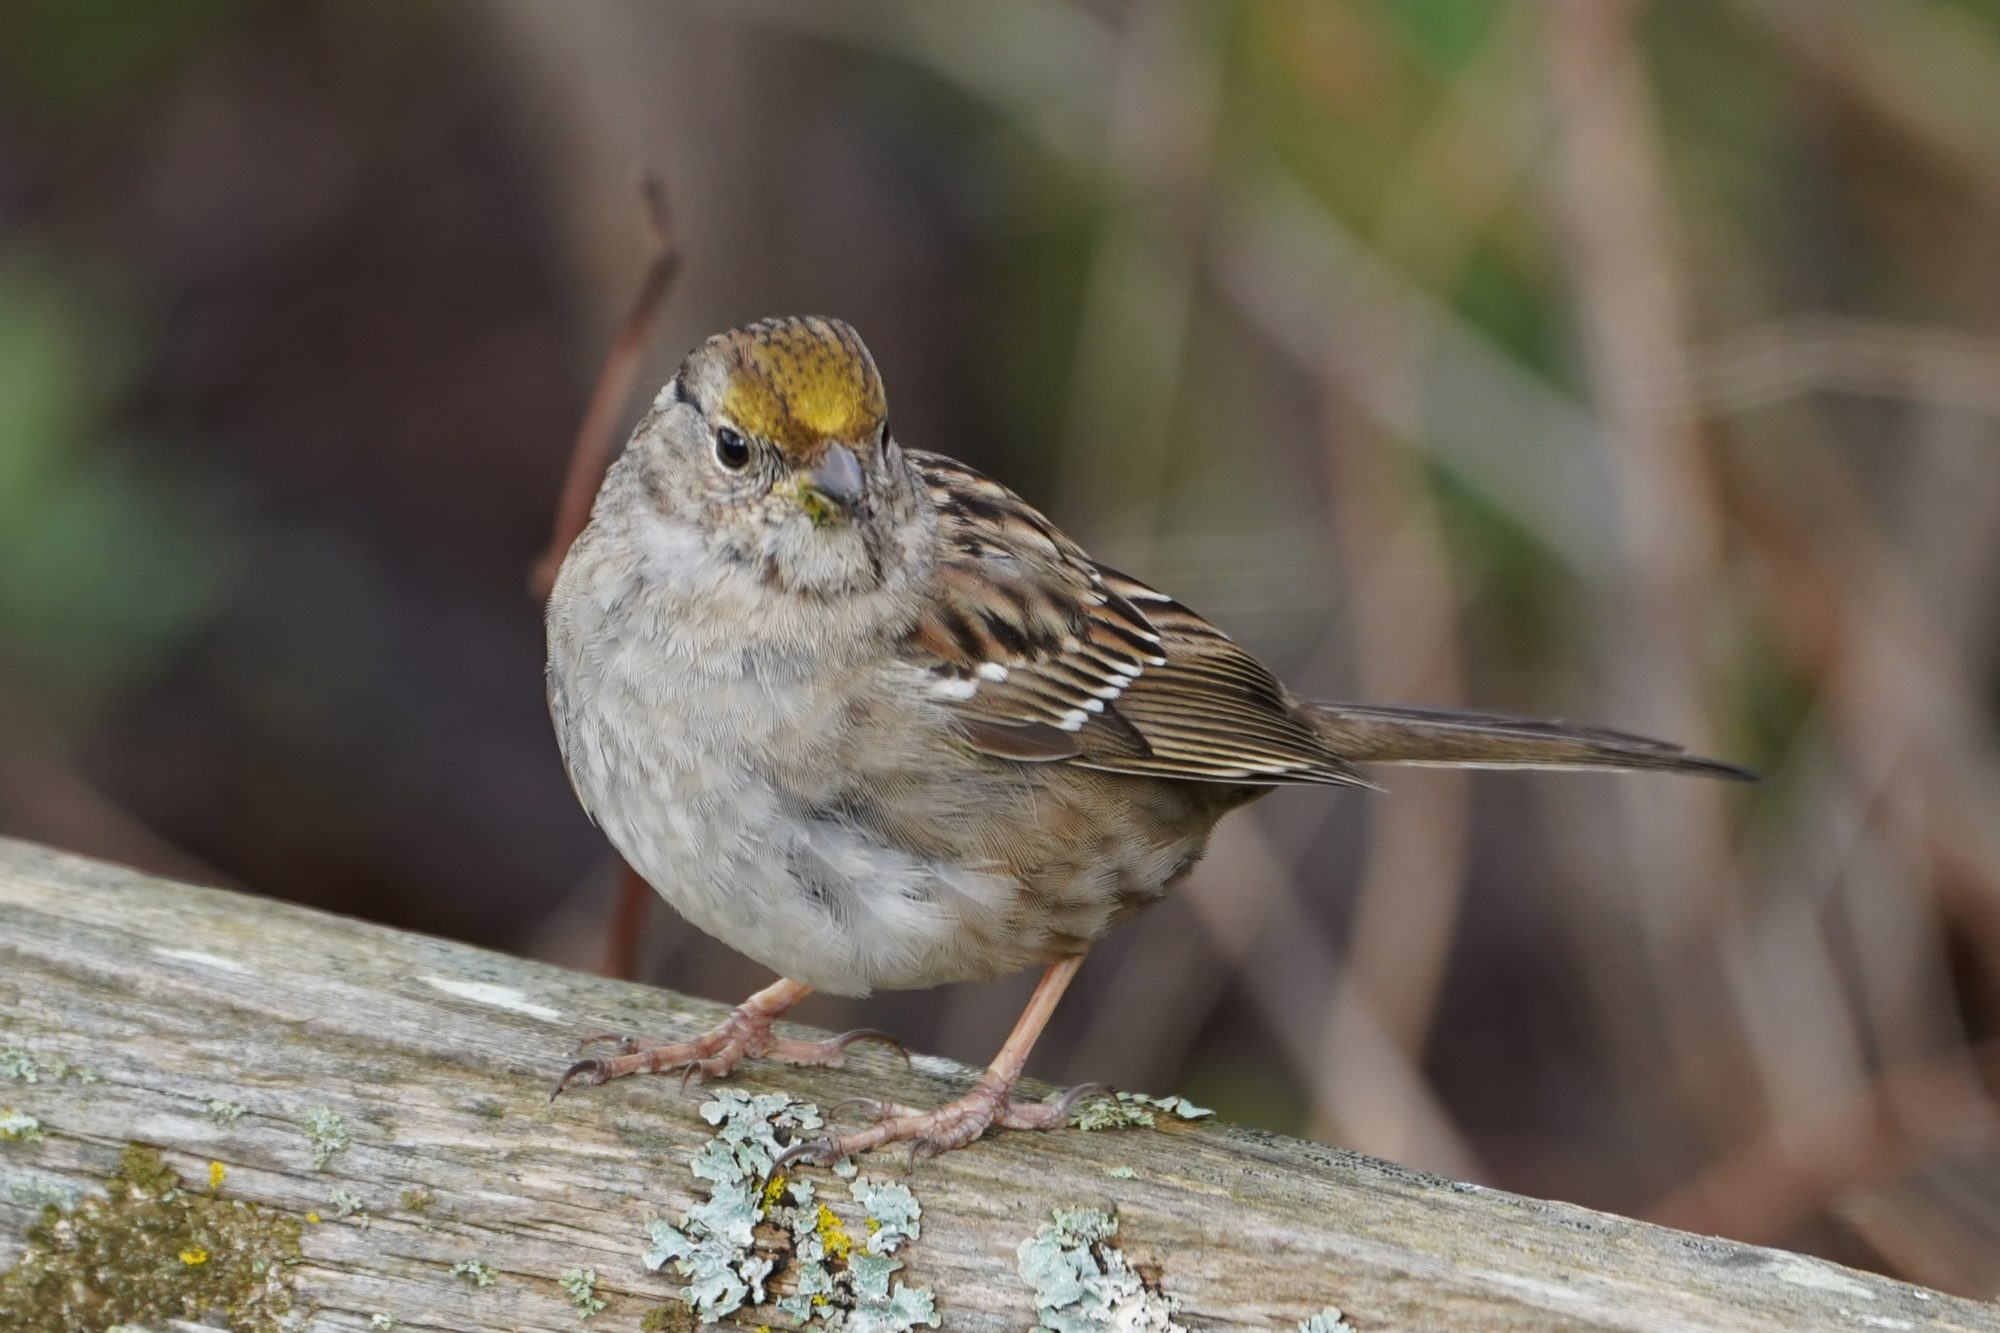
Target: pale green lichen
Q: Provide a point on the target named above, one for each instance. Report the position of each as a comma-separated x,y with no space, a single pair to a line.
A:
326,1133
17,1126
891,1214
383,1321
224,1112
1329,1320
1121,1173
37,1193
712,1248
1083,1284
580,1285
859,1295
838,1282
1132,1110
20,1065
476,1271
149,1250
347,1204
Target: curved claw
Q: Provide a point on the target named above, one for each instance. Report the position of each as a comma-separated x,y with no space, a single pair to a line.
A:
591,1071
847,1039
871,1108
1060,1107
820,1152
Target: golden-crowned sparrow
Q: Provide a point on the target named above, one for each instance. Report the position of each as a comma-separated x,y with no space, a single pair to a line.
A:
867,717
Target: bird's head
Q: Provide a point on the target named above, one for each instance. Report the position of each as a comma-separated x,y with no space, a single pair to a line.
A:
773,440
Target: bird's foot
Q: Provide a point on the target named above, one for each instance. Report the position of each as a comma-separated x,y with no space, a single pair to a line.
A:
942,1128
744,1035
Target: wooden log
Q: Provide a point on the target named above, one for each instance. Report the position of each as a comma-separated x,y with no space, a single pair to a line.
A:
332,1066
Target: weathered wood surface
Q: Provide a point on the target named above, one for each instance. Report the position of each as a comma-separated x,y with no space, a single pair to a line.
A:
438,1059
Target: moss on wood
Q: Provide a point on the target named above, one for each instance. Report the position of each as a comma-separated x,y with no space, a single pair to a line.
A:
151,1249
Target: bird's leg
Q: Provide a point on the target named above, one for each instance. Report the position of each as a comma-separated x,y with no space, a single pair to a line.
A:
959,1122
744,1035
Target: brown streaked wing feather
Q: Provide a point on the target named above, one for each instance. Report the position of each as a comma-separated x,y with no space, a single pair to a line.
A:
1050,657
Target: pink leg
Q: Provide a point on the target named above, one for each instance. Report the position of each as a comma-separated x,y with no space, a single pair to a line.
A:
744,1035
959,1122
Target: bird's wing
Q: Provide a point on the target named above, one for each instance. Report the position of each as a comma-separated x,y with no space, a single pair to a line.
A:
1047,656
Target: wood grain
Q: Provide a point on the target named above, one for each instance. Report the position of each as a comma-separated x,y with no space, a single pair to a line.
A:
437,1058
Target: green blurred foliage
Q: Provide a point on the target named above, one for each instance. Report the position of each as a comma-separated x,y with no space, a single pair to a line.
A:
86,59
108,556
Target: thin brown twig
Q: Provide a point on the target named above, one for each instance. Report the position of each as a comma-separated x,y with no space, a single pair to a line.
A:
628,923
588,459
592,451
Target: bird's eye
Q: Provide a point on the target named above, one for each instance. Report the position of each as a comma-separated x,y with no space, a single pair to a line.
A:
731,449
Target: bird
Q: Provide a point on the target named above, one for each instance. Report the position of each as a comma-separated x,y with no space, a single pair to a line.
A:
866,716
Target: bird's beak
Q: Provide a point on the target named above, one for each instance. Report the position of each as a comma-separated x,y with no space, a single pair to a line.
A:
828,490
838,476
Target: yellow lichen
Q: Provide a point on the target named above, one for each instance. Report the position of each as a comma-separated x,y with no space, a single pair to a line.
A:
194,1256
216,1171
833,1236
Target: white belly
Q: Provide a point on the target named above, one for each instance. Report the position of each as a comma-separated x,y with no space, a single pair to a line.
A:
671,751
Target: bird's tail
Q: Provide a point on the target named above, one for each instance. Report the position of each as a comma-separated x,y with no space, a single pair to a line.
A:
1367,734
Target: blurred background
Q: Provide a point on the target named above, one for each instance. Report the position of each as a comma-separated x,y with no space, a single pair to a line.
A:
1637,363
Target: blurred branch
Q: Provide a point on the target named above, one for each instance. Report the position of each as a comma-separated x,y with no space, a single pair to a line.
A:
1402,616
1898,700
1789,358
1140,289
1908,727
1611,195
1930,70
591,454
1631,302
589,458
1293,270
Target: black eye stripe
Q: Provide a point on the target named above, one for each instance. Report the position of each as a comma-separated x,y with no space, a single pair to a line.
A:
731,449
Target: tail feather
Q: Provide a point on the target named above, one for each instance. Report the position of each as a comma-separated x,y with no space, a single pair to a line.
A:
1370,734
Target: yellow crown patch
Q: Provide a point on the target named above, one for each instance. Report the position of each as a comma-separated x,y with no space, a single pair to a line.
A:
800,381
